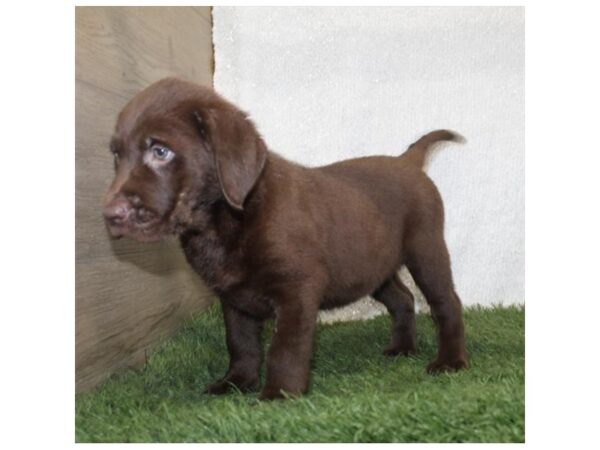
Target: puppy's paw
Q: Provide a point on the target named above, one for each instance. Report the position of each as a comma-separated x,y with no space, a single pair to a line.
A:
404,350
445,365
218,388
231,384
271,393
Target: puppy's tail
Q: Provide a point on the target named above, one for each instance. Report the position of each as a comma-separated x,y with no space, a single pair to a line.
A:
416,152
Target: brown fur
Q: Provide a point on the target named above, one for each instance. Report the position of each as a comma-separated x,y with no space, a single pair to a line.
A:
274,239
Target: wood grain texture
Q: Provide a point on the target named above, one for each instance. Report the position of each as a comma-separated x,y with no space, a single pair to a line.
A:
128,295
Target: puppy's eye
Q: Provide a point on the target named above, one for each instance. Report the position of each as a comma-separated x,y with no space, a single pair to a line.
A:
161,152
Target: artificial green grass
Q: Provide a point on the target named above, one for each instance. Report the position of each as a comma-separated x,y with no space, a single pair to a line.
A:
357,394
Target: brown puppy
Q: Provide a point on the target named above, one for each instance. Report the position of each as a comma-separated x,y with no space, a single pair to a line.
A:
277,240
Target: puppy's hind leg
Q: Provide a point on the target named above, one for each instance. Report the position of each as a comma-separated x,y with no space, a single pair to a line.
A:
429,264
400,303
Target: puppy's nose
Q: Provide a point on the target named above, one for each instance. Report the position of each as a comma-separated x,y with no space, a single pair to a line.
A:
116,212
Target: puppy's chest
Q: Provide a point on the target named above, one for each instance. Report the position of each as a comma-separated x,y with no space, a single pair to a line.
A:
206,253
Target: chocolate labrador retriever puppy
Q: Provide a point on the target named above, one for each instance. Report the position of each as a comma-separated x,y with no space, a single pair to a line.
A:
277,240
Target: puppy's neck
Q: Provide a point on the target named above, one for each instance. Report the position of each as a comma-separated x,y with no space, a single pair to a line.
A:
211,216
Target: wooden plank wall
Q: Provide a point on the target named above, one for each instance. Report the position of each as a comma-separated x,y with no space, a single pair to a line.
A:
128,295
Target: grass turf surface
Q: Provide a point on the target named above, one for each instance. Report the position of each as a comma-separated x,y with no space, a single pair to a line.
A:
357,394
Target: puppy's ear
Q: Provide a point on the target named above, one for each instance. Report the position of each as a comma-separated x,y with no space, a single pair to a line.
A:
239,151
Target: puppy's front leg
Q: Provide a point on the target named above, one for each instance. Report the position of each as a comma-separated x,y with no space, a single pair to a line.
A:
245,352
288,362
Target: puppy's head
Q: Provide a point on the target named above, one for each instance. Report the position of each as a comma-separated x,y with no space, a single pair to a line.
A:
178,148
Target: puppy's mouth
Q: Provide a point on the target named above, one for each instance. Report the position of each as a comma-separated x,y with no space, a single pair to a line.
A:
139,224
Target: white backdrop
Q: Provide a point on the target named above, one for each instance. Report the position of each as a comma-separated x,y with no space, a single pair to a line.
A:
324,84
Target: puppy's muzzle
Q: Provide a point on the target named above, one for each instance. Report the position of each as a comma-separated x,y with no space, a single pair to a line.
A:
117,214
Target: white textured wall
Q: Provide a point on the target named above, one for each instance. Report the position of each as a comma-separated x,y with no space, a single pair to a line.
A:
325,84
